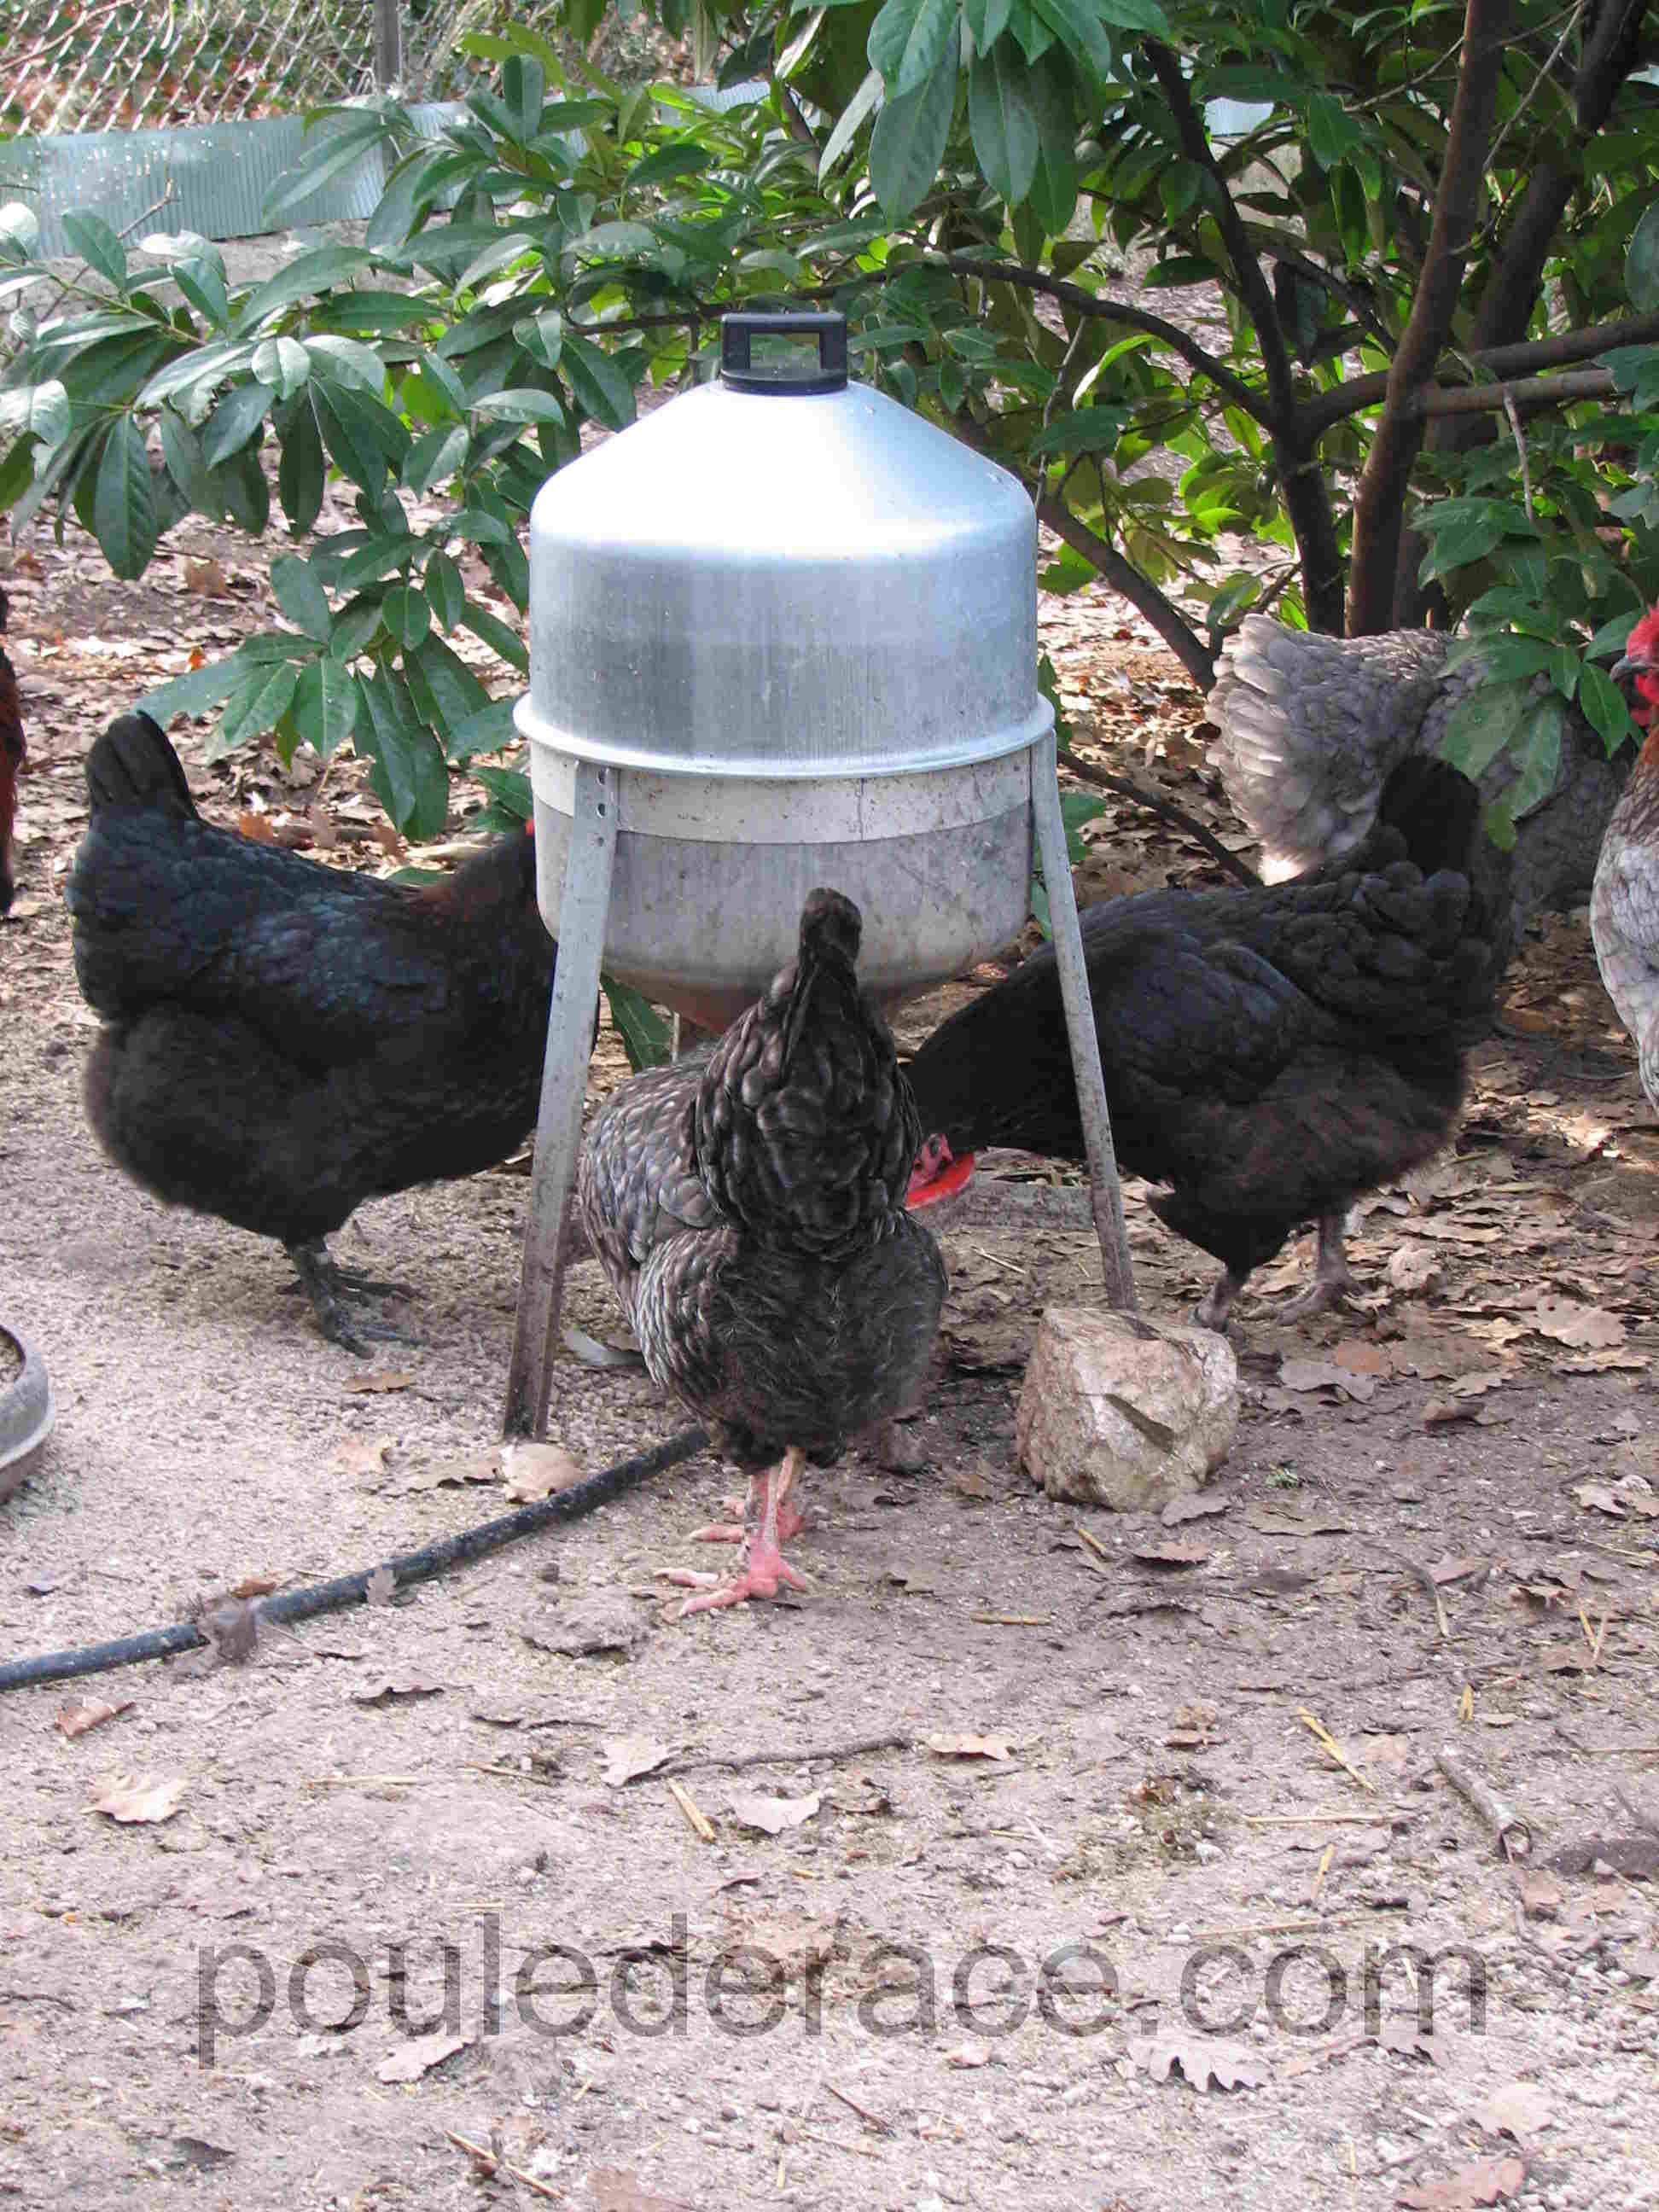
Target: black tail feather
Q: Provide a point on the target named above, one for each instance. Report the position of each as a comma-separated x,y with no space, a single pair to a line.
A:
133,768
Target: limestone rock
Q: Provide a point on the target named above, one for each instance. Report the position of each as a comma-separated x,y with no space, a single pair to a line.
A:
1123,1411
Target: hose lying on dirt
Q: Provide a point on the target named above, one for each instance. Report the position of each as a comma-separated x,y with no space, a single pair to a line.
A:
347,1590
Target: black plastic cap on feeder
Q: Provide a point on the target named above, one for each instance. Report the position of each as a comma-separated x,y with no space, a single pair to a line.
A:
781,374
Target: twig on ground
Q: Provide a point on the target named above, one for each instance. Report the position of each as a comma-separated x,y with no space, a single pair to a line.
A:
1513,1833
854,1747
1164,808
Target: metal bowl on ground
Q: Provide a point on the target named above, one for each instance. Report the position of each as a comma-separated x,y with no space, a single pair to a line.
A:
26,1412
800,622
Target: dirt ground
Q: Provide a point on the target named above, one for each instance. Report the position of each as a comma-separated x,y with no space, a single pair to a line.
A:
1040,1857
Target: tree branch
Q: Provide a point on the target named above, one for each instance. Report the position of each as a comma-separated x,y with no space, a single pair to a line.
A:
1557,352
1379,500
1242,395
1165,810
1307,495
1531,391
1147,599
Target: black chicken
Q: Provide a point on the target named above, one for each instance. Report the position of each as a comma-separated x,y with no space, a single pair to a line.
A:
285,1040
13,753
1271,1054
748,1206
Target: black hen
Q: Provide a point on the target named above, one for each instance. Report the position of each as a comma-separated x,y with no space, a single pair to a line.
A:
284,1040
1270,1054
748,1206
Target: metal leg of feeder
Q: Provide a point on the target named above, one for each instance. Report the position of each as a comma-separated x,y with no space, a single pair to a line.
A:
582,915
1105,1194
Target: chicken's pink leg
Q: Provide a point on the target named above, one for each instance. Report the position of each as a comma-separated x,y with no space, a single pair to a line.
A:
767,1566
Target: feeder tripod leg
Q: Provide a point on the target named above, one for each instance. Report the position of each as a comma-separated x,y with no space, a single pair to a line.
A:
582,915
1105,1194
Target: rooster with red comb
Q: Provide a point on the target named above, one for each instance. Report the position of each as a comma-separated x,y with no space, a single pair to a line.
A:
1625,901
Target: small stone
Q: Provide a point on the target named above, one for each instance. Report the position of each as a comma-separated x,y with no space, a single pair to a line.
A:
1120,1412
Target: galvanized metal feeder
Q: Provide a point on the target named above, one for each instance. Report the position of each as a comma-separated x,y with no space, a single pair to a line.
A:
782,633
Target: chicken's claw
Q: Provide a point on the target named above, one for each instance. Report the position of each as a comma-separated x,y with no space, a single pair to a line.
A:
329,1286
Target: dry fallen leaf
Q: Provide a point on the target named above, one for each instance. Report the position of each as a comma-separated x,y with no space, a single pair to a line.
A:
628,1757
1305,1375
1195,1507
1199,2060
536,1471
75,1720
616,2190
206,577
1415,1271
379,1587
1540,1898
1488,2183
382,1379
1171,1551
396,1691
1585,1329
969,1746
1358,1356
1597,1496
471,1466
772,1815
1521,2109
363,1461
968,2056
144,1798
419,2056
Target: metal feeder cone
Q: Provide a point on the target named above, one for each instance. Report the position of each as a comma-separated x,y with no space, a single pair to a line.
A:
783,633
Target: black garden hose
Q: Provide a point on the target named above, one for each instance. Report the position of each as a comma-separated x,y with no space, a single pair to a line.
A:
346,1590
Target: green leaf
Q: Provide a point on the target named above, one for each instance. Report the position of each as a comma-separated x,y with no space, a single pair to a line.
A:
238,417
523,406
598,384
667,163
445,692
864,100
1642,264
496,635
435,457
182,453
195,693
907,143
647,1036
1054,182
350,362
322,269
406,616
282,363
242,491
987,20
444,592
324,707
1003,118
1489,719
301,596
407,773
123,516
542,337
353,443
344,149
98,246
37,410
523,83
1602,706
254,707
1333,133
300,472
486,732
907,40
1078,26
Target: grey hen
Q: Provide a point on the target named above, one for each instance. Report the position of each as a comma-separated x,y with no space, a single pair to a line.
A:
748,1207
1311,728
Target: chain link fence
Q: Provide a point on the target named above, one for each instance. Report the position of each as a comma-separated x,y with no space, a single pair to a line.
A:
117,66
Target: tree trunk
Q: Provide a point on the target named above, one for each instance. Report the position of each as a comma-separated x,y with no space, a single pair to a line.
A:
1379,503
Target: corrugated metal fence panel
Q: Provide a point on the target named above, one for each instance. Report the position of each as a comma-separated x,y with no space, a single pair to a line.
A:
214,180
